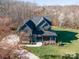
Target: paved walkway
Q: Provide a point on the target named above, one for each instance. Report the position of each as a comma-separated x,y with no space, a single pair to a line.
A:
38,44
32,56
24,54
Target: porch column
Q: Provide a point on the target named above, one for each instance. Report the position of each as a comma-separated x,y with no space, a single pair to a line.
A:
42,39
50,41
31,39
35,38
55,39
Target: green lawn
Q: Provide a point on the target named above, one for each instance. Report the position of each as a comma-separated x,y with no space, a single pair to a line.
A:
68,37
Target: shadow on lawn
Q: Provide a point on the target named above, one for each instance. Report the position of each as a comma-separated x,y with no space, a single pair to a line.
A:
65,56
51,57
66,36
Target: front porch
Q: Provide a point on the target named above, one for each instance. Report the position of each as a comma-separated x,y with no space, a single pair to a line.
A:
46,40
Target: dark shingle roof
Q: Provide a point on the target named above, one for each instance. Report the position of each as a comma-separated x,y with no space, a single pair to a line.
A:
34,21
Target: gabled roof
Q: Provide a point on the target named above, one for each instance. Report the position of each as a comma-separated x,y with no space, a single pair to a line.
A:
37,19
48,20
32,24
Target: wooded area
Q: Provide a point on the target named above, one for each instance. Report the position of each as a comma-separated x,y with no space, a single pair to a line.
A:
66,16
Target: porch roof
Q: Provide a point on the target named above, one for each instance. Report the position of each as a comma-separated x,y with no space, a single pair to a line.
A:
47,33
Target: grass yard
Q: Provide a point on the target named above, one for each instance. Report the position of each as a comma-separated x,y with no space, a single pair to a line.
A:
68,37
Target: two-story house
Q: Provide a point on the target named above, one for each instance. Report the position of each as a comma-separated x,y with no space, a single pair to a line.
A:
39,29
